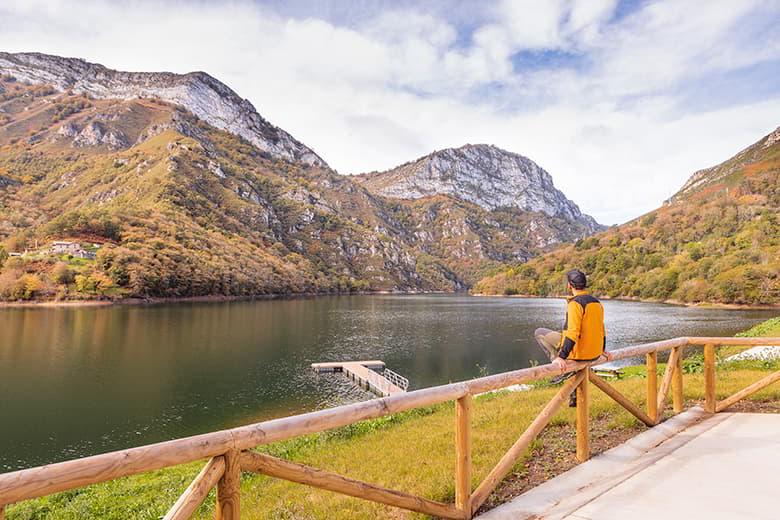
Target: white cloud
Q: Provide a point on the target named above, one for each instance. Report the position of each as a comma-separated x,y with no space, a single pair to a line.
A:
529,24
400,83
587,17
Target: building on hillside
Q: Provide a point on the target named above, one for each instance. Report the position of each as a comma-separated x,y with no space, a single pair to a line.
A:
89,255
64,247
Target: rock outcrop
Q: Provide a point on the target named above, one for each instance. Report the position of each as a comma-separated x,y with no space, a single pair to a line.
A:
95,134
481,174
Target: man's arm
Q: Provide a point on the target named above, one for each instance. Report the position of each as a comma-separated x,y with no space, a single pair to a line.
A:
571,335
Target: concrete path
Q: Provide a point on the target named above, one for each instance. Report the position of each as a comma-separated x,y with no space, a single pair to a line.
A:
720,467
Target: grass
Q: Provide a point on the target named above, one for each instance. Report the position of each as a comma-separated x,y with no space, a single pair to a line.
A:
769,328
411,451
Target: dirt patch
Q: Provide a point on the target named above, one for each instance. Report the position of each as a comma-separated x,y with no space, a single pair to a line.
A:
554,453
555,447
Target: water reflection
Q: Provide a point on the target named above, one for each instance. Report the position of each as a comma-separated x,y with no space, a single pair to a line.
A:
79,381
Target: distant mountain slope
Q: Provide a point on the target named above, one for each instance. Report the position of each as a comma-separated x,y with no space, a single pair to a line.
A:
484,175
731,171
717,240
181,208
183,203
207,98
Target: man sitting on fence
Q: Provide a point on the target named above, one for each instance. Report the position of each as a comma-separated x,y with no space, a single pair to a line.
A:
584,335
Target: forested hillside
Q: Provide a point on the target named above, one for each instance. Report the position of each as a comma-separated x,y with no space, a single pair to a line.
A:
117,185
717,240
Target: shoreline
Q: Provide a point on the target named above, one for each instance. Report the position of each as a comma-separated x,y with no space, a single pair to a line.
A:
702,305
199,299
292,296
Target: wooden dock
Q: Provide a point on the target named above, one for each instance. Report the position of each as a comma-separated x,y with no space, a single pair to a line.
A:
362,373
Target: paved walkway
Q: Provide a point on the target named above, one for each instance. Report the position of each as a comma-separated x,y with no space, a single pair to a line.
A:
721,467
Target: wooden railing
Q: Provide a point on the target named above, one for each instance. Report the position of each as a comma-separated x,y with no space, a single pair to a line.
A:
229,451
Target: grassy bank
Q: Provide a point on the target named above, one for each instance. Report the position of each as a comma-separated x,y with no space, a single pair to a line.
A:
412,451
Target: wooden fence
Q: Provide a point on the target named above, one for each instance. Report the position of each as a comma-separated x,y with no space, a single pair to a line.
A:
229,451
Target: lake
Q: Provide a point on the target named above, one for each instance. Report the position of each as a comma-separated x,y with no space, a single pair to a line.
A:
81,381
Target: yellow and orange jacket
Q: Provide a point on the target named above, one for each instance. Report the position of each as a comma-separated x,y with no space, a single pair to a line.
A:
584,336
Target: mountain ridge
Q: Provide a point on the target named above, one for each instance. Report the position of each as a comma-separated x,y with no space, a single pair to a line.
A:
203,95
185,208
483,174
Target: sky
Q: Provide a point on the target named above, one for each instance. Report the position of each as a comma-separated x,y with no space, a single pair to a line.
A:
620,100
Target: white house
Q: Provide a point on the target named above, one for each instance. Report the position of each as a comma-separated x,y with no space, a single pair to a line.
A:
63,247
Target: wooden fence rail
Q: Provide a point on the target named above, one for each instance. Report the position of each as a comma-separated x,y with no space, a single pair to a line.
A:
228,454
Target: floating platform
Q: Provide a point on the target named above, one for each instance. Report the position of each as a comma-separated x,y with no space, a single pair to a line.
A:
367,374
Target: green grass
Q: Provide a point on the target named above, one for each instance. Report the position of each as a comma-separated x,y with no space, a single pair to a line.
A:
769,328
411,451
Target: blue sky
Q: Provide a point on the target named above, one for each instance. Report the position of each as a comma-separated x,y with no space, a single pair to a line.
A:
619,100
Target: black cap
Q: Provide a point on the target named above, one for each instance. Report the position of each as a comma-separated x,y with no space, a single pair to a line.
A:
577,279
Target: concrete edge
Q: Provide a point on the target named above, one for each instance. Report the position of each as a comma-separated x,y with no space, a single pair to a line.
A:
564,494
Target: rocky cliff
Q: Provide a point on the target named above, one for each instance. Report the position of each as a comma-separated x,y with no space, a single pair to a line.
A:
484,175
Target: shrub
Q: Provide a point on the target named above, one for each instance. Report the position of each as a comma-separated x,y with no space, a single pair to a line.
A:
32,286
116,261
15,284
95,283
61,273
84,284
9,287
86,222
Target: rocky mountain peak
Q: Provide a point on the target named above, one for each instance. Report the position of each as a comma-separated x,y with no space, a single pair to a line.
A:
204,96
481,174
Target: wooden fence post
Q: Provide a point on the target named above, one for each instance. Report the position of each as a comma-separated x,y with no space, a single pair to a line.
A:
651,360
463,454
709,378
677,383
197,491
583,412
229,488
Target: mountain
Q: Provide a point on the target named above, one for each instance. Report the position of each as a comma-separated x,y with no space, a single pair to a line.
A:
202,95
485,175
165,185
716,240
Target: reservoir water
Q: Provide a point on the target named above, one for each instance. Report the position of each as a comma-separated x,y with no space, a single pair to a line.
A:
81,381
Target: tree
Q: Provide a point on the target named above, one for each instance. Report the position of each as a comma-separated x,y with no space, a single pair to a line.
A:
32,286
9,286
61,273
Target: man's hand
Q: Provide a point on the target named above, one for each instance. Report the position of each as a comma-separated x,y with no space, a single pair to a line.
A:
560,363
